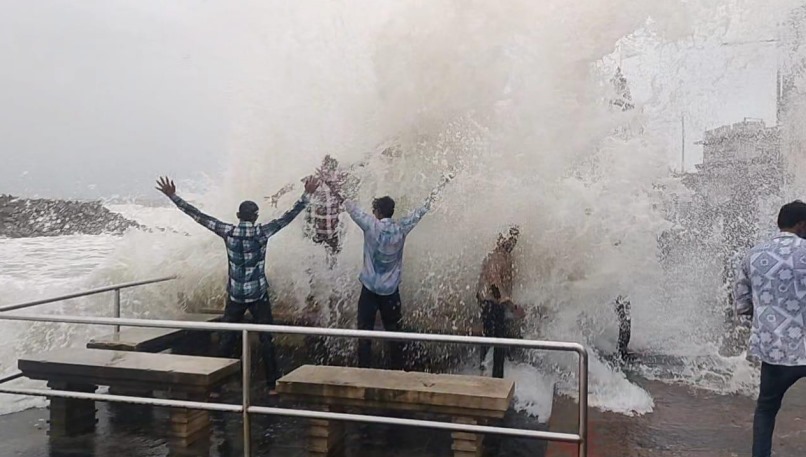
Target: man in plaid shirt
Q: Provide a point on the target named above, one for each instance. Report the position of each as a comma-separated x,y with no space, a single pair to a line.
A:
247,287
323,224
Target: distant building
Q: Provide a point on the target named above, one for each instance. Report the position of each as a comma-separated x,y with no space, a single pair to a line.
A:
741,160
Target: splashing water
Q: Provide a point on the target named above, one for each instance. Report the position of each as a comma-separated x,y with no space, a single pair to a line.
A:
513,98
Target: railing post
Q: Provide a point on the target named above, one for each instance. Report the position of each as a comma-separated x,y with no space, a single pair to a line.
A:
117,309
246,372
583,402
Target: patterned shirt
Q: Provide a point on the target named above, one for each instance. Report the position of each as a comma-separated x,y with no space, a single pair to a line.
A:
246,248
771,283
383,247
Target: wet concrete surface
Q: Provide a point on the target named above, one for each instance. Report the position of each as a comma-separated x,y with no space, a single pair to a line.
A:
139,431
685,422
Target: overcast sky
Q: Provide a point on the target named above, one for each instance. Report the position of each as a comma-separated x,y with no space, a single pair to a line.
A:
96,96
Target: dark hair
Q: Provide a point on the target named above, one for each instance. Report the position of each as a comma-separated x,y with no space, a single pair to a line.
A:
384,206
791,214
247,211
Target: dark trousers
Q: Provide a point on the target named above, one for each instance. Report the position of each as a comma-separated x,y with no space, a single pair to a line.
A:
368,306
624,325
493,316
261,314
775,381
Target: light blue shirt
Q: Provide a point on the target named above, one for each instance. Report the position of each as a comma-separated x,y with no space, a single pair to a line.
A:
771,282
383,247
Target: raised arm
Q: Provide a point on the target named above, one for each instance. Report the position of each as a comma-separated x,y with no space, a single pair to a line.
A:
363,219
270,228
273,199
743,289
167,187
359,216
413,218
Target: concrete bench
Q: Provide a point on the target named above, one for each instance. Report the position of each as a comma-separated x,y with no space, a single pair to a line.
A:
83,370
466,399
143,339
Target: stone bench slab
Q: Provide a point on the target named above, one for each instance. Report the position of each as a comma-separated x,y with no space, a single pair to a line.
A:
110,368
144,339
452,394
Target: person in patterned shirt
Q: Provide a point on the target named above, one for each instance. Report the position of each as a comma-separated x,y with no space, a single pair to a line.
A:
771,287
323,217
247,288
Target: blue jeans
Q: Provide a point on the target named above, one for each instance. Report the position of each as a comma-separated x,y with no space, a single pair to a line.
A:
775,381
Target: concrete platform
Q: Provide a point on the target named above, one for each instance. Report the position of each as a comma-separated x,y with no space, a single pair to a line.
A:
686,422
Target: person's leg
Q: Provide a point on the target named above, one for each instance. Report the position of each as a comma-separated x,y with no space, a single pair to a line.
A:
332,248
775,381
233,313
261,314
367,308
499,331
392,315
624,325
488,328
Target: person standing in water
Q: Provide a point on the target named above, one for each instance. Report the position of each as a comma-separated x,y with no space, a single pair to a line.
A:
247,287
384,239
771,287
494,294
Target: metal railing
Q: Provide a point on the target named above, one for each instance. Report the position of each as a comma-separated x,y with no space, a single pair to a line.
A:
113,288
247,409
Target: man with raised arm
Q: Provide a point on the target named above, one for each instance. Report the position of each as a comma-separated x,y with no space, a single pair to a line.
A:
381,274
247,287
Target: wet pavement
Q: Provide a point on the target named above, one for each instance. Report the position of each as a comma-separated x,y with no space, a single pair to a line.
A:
685,423
138,431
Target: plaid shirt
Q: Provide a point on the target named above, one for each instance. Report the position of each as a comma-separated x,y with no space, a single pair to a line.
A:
323,213
246,248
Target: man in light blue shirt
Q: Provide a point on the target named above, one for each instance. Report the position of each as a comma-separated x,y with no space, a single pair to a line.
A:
771,287
381,274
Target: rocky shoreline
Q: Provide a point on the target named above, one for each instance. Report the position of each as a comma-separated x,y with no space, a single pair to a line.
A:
25,218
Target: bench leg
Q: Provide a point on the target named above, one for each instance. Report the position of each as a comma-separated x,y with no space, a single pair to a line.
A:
325,438
188,426
466,444
70,416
